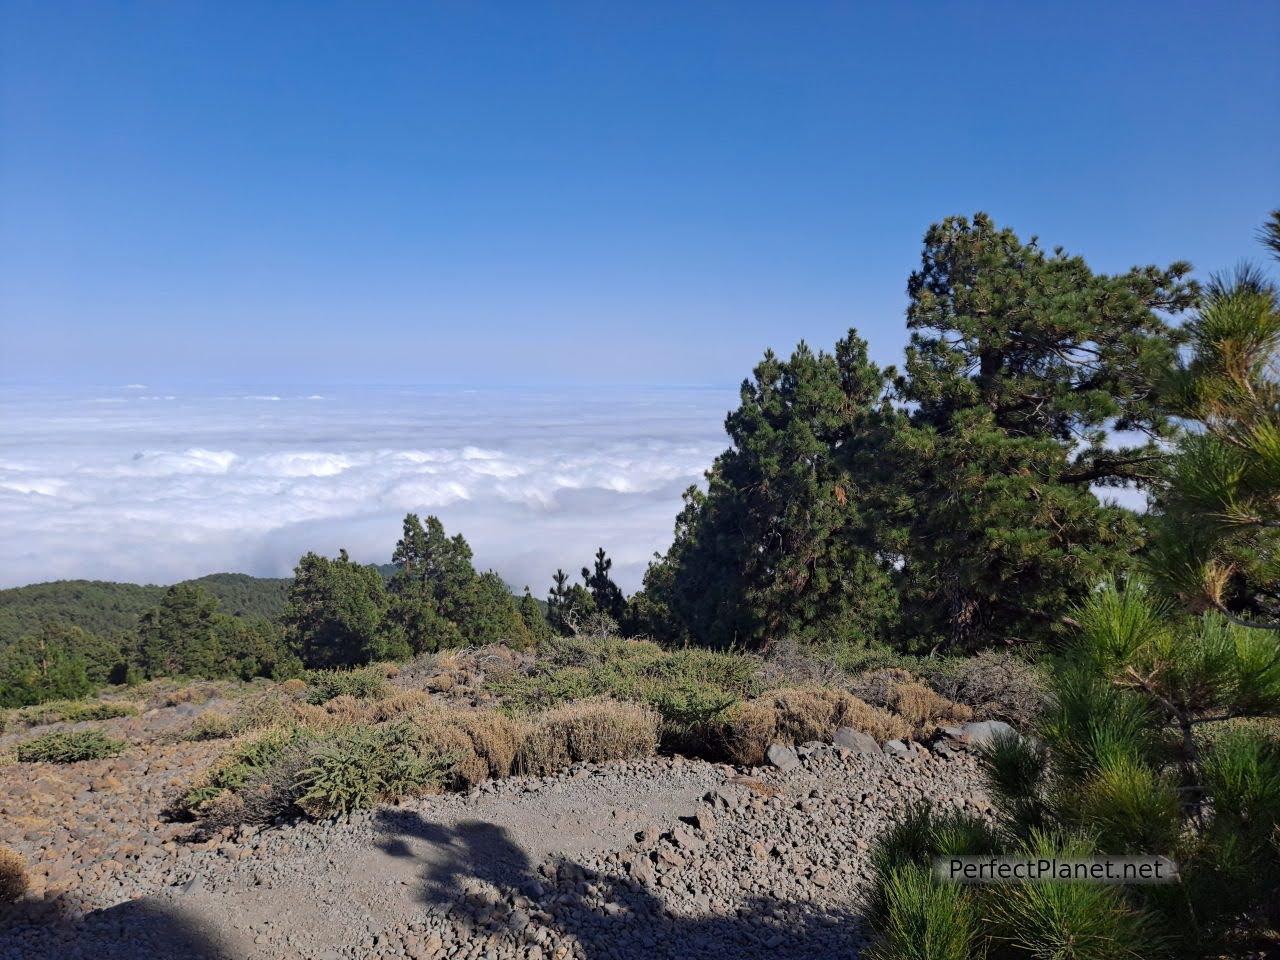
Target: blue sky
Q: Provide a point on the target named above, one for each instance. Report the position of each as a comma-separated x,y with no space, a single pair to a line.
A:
586,193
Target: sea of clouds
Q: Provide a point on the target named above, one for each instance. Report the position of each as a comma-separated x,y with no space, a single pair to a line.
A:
155,485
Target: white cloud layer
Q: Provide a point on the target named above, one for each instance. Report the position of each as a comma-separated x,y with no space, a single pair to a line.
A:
156,485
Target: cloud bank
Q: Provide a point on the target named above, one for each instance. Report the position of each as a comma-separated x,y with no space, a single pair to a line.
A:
155,485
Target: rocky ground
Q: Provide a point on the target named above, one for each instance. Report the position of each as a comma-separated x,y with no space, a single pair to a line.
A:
657,858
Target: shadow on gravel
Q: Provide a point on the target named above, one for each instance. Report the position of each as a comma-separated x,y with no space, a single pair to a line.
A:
609,916
136,930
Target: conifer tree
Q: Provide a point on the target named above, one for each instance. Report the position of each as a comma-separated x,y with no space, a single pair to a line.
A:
784,542
180,636
534,621
1022,369
335,613
604,592
1218,521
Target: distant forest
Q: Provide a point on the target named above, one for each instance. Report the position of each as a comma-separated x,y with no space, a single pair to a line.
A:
107,608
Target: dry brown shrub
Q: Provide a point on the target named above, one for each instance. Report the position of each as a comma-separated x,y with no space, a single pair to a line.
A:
441,734
224,810
494,737
483,741
590,731
310,715
193,694
399,704
293,688
789,663
797,715
345,708
494,662
268,708
925,709
211,725
876,686
997,686
441,683
13,875
391,670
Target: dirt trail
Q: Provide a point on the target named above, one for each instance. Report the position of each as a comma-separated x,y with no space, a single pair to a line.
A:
657,858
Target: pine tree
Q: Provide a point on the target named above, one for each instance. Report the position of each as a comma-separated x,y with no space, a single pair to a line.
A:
180,636
1218,521
1022,369
534,621
335,613
569,605
607,595
785,542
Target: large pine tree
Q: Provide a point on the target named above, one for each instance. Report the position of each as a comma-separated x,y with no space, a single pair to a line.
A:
1026,375
782,543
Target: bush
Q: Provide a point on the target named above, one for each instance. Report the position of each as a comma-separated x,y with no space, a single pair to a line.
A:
366,683
996,686
69,747
293,687
927,919
798,715
13,875
924,708
211,725
359,766
1079,921
250,754
483,743
75,711
691,689
593,731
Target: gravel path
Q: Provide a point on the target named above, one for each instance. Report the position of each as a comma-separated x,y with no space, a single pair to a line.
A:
649,859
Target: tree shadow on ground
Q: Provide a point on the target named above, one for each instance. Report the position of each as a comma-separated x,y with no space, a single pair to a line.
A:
476,877
135,930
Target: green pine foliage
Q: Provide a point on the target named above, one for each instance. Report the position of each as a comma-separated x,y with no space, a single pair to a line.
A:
784,541
70,746
1218,518
106,609
535,620
1022,367
336,611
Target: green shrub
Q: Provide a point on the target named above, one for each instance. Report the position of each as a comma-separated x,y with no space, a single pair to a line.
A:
365,683
359,766
69,747
927,919
253,753
690,688
1068,920
75,711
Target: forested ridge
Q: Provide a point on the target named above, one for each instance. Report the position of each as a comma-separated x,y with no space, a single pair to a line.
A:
107,607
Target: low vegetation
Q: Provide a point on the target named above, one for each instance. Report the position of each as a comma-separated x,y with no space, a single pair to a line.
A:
13,875
338,740
590,731
74,711
69,747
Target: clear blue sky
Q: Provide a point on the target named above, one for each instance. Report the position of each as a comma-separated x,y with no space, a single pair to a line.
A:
588,193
